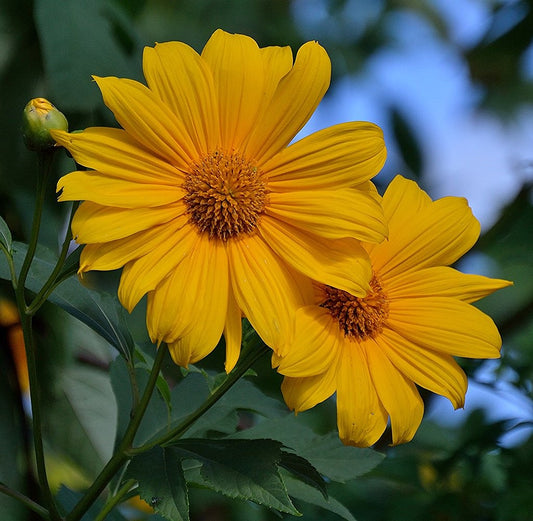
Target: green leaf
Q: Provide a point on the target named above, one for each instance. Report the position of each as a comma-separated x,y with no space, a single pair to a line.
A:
5,235
244,469
161,482
326,453
100,311
337,461
308,494
81,422
156,418
301,468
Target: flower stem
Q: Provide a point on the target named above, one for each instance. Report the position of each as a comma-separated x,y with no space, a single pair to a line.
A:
53,281
115,500
122,454
32,505
246,363
45,162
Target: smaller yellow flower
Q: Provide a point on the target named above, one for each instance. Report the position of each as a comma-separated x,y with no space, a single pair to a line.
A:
373,351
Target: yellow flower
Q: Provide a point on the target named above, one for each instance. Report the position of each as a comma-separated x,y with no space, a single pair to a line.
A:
201,200
416,317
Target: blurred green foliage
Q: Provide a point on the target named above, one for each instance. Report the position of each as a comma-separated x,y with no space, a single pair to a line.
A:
50,48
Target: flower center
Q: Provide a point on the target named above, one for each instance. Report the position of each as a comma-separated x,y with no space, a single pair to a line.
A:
225,195
358,317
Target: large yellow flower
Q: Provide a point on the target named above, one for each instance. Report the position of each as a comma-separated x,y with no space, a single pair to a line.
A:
201,200
416,316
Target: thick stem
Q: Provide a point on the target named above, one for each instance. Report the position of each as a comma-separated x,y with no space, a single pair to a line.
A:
45,163
246,363
121,455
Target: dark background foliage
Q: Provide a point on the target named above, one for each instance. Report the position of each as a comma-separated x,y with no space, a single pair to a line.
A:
470,469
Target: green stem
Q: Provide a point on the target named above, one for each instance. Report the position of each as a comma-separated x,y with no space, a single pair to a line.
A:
35,397
246,363
32,505
53,280
122,454
115,500
11,265
45,163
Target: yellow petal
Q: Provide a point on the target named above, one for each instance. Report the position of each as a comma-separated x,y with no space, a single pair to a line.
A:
266,289
421,233
112,152
191,302
109,191
239,77
210,290
437,372
361,417
342,155
278,62
144,273
294,101
333,214
341,263
144,117
232,332
398,395
301,394
93,223
442,281
314,346
445,325
182,80
115,254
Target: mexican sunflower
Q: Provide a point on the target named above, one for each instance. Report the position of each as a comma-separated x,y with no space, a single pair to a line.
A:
203,203
374,350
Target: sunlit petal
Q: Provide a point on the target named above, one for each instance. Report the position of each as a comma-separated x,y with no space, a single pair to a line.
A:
446,325
361,418
398,395
183,81
437,372
341,263
336,157
287,113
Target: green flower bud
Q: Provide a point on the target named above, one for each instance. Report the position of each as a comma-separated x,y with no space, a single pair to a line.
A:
39,117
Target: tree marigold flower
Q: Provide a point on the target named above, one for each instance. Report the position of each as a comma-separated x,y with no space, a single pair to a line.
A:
416,316
201,200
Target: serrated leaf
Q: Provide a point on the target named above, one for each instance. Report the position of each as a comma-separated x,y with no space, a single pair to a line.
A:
244,469
5,235
337,461
308,494
161,482
100,311
326,453
301,468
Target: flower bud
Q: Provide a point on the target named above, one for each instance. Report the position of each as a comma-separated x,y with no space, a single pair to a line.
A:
39,117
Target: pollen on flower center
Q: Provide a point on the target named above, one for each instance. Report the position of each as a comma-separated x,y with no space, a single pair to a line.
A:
358,317
225,195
